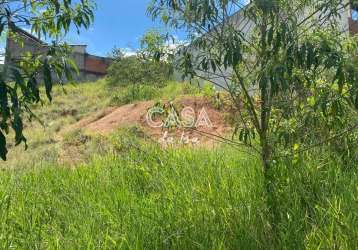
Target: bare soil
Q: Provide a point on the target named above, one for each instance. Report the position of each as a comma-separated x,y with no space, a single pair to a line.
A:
135,115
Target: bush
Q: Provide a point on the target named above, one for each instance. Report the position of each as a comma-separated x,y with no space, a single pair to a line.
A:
135,71
135,93
143,197
171,90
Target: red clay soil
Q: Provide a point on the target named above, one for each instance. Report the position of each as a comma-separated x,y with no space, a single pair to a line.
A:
135,115
126,115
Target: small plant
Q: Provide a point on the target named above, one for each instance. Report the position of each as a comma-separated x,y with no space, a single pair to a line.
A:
210,91
124,139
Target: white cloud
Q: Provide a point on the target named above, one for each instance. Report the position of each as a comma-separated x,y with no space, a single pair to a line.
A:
128,52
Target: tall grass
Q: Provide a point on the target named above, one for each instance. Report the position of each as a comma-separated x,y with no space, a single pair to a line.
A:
170,90
131,194
146,198
139,200
73,103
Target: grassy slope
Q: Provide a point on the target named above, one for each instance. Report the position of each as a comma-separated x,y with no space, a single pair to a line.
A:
142,197
69,105
190,200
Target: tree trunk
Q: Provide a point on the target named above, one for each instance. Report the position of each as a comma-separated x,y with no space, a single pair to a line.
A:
269,186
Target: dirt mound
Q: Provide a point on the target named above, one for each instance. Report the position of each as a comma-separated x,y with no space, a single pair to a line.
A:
209,122
127,115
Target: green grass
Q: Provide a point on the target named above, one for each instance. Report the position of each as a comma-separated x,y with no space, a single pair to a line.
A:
145,198
170,91
71,104
127,193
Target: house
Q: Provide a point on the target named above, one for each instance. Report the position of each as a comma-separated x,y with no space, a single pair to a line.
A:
91,67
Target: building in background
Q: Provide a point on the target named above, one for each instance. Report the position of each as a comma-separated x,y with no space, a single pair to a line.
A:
91,67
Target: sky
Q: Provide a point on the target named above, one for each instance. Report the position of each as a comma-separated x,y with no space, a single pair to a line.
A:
118,23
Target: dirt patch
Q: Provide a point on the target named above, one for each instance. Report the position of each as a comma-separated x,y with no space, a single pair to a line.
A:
127,115
210,122
83,123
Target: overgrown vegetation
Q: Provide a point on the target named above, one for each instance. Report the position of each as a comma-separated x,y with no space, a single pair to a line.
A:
141,69
169,91
123,191
136,71
73,103
139,196
22,75
289,67
295,111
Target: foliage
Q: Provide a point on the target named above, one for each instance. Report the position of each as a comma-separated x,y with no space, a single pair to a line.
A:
136,71
170,90
272,64
140,196
134,93
175,89
153,44
286,65
19,80
51,142
141,69
129,193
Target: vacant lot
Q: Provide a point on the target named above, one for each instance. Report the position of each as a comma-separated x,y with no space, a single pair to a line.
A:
78,189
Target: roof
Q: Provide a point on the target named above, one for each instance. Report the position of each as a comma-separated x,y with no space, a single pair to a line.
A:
26,34
31,36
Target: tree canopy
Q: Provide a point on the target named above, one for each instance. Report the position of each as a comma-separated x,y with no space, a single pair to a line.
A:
286,64
290,68
19,80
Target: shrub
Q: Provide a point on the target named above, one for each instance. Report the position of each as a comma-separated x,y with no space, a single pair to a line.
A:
135,93
135,71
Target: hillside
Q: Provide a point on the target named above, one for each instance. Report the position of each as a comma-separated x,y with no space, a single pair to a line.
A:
96,176
68,129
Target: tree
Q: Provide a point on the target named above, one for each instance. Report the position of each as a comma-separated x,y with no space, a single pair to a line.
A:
270,55
136,71
142,69
153,45
284,63
116,54
19,84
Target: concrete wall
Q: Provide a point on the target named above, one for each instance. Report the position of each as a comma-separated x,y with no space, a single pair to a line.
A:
97,64
91,67
79,49
18,42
